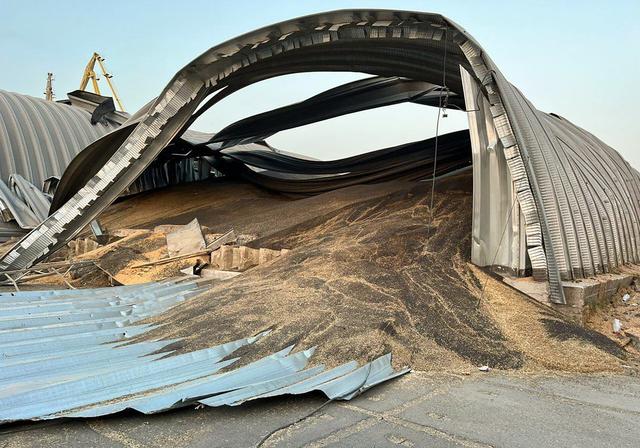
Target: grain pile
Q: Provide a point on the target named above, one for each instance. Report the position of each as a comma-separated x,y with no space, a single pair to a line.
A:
366,275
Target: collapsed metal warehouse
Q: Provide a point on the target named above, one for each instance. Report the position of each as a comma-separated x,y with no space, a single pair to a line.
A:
576,198
550,200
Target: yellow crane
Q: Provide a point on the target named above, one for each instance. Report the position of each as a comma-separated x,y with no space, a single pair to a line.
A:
48,91
90,74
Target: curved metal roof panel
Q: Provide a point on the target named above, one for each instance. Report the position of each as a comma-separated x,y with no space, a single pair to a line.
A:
39,138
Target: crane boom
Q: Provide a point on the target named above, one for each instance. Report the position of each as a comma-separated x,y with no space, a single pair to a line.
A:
108,77
90,74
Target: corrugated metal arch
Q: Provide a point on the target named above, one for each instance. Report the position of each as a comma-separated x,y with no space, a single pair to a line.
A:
39,138
546,158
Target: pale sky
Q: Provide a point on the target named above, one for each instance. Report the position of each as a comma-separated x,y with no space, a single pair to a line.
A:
575,58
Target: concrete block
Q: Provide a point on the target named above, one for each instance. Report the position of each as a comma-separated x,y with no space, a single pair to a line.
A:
215,258
235,264
185,239
226,258
582,296
267,255
81,246
248,257
585,295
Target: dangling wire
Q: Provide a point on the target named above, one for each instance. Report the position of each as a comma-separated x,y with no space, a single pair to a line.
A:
442,107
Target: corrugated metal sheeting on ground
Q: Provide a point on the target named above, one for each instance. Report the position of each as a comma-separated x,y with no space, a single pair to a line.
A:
68,353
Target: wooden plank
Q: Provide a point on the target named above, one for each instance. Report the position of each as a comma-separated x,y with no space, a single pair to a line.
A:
228,237
172,259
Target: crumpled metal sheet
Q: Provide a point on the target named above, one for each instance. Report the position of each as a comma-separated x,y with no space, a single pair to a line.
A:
289,174
32,196
10,230
19,211
69,353
356,96
39,139
22,207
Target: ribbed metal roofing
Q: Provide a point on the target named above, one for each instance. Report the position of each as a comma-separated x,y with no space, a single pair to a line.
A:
68,353
39,138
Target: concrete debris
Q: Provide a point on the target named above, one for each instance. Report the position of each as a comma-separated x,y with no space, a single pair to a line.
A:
241,258
266,255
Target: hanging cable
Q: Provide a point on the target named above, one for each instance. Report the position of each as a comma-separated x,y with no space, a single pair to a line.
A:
441,103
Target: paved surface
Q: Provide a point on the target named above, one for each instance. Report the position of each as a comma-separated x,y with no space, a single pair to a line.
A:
416,411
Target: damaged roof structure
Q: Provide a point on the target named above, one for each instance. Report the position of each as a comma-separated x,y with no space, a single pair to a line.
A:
575,199
39,139
550,201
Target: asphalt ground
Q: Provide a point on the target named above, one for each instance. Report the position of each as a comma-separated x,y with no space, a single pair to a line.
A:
418,410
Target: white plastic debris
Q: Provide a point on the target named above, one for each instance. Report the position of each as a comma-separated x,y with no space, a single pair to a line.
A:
625,298
484,368
617,325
